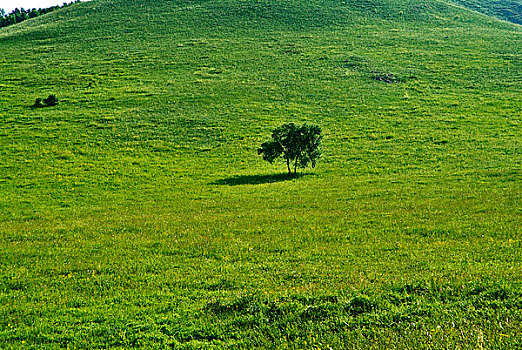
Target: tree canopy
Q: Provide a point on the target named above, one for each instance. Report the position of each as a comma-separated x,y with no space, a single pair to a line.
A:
297,145
20,15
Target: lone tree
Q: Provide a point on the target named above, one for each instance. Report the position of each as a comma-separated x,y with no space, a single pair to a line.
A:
297,145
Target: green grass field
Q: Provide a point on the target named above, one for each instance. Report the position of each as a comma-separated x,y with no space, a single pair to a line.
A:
137,213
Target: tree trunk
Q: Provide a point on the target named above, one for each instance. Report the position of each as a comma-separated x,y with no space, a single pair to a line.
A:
288,164
295,166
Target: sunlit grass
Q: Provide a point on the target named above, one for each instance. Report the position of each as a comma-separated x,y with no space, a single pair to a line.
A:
137,214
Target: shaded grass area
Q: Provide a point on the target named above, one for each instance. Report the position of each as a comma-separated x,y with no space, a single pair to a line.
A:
257,179
508,10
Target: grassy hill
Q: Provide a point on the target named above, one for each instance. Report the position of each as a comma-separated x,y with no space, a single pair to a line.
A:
137,214
509,10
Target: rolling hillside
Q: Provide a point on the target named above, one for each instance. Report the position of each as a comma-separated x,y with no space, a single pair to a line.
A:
509,10
137,214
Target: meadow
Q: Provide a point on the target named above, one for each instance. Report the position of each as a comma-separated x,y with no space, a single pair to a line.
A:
137,214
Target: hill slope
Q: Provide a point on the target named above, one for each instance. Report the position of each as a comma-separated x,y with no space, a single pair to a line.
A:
509,10
136,213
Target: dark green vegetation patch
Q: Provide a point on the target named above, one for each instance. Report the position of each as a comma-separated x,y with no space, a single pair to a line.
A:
20,14
508,10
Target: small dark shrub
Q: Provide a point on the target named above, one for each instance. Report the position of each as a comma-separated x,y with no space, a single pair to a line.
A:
38,103
51,100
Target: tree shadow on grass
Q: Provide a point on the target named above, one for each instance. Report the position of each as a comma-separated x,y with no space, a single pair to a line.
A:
256,179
